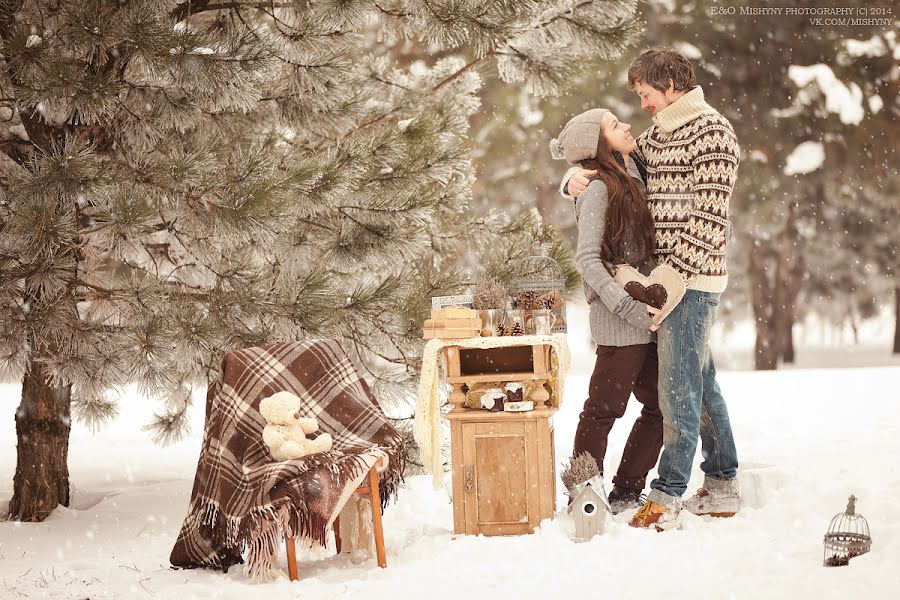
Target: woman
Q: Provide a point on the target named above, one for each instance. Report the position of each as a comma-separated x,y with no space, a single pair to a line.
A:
615,227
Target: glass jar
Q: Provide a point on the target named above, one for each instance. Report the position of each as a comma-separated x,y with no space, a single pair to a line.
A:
514,322
490,321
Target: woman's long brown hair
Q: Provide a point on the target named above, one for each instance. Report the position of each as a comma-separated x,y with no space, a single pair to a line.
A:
627,209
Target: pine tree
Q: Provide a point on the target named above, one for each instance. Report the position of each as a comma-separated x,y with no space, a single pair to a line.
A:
180,179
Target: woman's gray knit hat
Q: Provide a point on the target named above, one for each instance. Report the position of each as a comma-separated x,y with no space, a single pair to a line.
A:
578,139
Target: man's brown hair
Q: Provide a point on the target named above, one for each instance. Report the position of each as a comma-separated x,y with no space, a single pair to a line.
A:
655,67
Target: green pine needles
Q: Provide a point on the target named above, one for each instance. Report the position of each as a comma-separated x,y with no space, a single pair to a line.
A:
180,179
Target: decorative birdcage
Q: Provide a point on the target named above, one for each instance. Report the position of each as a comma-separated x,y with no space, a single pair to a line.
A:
848,536
538,283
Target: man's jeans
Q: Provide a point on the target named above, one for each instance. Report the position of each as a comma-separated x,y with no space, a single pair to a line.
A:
690,400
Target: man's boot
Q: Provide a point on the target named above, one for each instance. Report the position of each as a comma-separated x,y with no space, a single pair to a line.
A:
717,498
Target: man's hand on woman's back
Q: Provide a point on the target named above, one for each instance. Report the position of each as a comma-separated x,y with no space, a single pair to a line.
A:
579,182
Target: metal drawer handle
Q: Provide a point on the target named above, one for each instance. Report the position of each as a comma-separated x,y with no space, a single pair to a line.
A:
470,479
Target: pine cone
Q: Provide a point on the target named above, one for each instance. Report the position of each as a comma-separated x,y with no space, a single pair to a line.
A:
501,330
517,329
550,299
526,299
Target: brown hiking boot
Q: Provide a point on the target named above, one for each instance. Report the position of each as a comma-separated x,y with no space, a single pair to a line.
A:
657,516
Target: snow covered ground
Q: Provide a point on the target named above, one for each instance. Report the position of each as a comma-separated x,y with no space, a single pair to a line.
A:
807,440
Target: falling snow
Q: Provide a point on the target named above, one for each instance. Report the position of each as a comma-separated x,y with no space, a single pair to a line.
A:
807,439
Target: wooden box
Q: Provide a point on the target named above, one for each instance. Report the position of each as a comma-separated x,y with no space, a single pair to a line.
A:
452,323
452,328
504,476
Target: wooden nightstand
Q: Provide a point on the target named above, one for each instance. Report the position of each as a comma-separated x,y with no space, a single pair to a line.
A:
504,470
504,466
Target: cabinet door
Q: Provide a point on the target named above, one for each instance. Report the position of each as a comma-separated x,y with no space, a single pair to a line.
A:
500,468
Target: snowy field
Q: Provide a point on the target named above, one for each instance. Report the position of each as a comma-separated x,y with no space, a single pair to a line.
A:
807,439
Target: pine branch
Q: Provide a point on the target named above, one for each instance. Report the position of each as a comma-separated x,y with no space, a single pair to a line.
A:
253,172
400,107
392,13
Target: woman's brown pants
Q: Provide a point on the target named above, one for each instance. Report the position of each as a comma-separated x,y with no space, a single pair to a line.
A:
619,371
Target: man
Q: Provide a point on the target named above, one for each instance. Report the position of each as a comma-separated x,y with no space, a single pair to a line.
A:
691,156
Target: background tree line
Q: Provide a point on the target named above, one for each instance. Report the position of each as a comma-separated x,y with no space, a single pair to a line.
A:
823,242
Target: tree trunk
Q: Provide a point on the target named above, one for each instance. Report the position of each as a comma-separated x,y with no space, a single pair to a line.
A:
897,320
789,277
761,292
43,423
787,341
766,350
777,269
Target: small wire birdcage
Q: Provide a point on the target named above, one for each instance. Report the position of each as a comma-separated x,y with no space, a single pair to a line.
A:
848,536
538,282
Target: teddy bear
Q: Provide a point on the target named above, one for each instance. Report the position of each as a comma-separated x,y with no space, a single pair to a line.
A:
285,431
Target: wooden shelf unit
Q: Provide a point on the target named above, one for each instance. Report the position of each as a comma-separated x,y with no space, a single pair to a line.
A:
504,465
510,363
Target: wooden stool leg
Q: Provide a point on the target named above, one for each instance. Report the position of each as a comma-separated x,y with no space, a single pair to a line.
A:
291,558
375,497
337,534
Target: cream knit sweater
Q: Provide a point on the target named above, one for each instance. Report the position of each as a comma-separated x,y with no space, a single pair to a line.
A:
692,155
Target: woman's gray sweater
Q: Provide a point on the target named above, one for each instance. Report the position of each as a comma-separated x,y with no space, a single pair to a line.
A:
616,318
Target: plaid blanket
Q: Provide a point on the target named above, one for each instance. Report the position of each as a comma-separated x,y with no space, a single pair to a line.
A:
241,497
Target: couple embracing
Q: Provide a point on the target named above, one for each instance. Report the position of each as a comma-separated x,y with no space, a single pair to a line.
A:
656,202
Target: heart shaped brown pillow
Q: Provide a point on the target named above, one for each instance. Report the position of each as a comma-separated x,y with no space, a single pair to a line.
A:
663,288
655,294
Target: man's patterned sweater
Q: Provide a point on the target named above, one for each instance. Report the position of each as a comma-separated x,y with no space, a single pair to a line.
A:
692,155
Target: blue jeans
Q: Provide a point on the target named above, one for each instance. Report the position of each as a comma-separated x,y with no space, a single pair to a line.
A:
690,400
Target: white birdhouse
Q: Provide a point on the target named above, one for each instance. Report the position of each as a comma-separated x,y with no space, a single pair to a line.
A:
589,509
